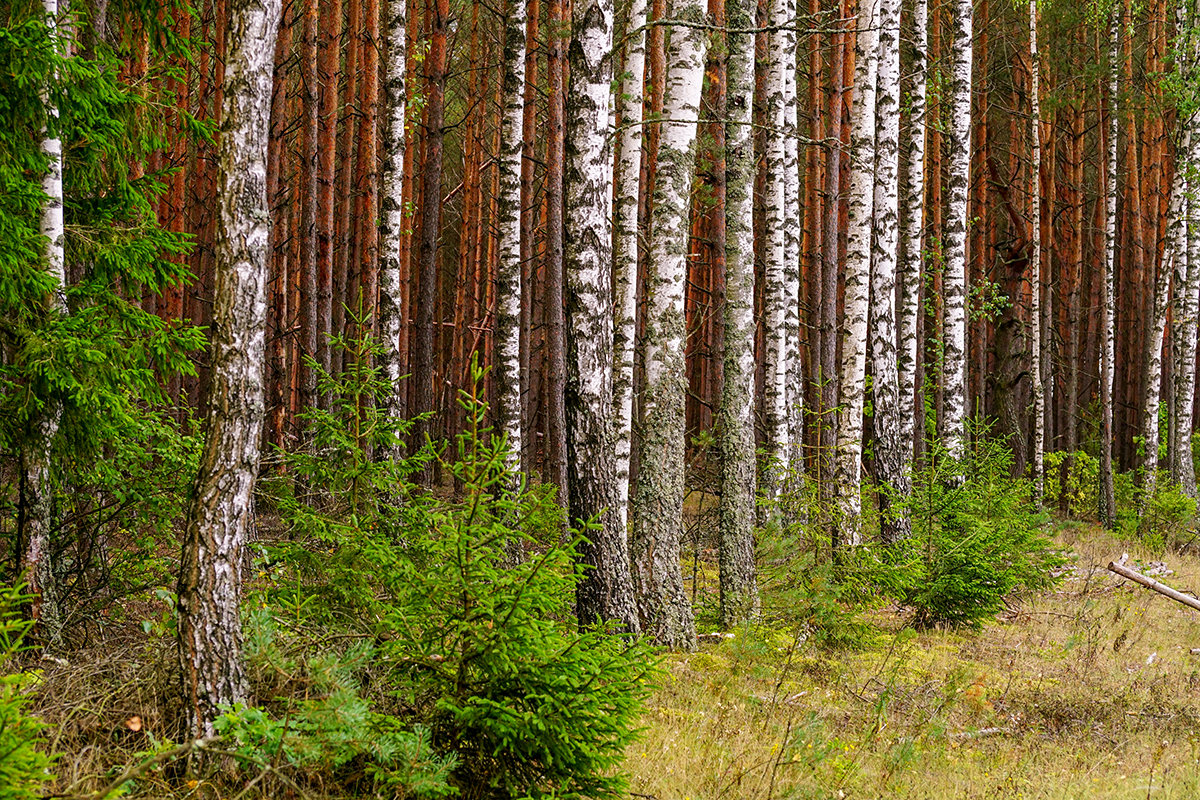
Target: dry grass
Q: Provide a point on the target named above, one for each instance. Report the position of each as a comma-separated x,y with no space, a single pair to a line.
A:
1087,691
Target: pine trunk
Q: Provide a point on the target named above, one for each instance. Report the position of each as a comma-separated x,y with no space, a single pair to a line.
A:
221,508
658,522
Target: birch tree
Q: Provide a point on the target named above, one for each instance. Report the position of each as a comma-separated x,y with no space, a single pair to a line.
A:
1108,504
893,450
1154,338
507,361
1186,238
913,225
954,369
606,591
739,590
658,520
1035,265
38,500
220,511
782,280
625,243
390,301
857,276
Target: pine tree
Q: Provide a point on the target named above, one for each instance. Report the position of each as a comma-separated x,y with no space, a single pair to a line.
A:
221,509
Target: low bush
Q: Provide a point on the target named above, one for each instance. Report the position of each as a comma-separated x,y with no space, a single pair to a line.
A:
24,765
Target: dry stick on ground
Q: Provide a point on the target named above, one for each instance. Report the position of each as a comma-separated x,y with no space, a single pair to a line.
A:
1137,577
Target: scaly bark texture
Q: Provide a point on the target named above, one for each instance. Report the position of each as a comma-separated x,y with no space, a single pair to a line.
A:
391,315
625,243
606,591
658,520
782,278
1035,260
1108,503
857,274
893,449
507,360
37,492
735,427
954,366
221,509
912,255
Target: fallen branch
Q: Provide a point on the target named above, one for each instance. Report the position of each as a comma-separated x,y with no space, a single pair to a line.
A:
1125,572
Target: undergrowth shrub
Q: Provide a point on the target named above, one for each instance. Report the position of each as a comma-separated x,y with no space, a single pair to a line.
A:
1168,520
439,635
976,540
24,767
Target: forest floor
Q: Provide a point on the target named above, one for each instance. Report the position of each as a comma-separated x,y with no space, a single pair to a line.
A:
1088,690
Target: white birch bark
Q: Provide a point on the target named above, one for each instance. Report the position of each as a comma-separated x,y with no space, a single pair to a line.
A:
1183,326
954,370
912,255
44,424
606,591
794,380
735,430
221,509
392,228
781,282
1154,338
857,275
507,362
1108,506
1035,266
625,244
658,519
893,450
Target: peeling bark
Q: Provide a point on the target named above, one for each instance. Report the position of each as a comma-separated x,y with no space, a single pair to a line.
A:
391,317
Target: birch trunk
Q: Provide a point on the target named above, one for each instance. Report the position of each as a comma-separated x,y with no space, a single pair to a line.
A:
954,369
794,409
391,315
625,244
1187,290
893,450
1154,340
857,275
781,281
1035,266
658,521
912,256
507,361
739,583
606,591
221,509
1108,505
37,489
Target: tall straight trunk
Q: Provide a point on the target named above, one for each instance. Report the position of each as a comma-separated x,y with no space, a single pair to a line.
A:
1035,265
785,38
391,315
1187,306
507,361
1108,503
735,428
625,242
781,281
857,275
367,168
528,210
556,371
221,508
309,320
893,450
340,281
330,30
954,372
912,220
658,522
1075,301
37,491
606,591
1154,340
431,217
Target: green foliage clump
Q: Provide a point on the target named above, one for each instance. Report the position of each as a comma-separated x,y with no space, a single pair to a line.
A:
976,540
458,635
24,768
1168,519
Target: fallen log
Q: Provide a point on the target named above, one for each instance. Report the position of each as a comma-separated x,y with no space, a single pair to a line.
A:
1125,572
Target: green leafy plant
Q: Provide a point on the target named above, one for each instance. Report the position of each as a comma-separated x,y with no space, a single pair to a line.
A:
24,764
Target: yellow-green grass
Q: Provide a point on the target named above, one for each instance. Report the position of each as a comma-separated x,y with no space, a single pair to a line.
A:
1089,690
